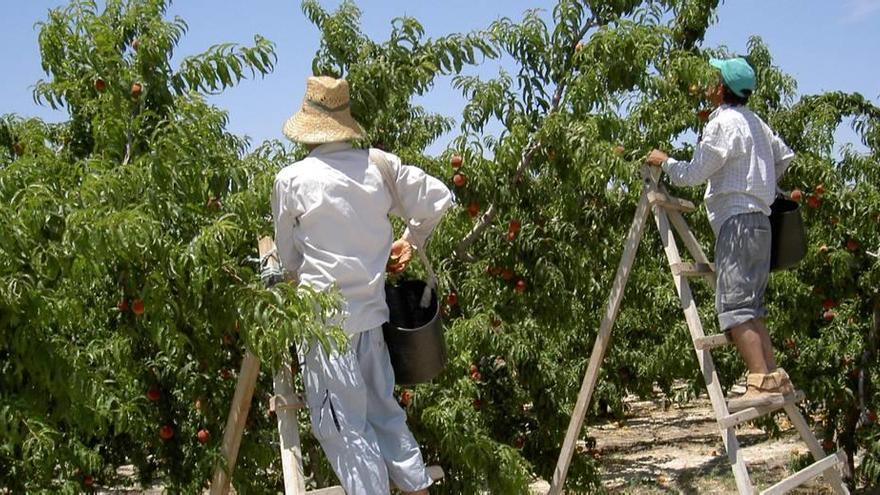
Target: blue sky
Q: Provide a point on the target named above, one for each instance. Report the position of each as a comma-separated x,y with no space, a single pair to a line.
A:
825,45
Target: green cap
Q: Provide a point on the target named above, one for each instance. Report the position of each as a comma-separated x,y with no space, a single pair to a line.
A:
738,75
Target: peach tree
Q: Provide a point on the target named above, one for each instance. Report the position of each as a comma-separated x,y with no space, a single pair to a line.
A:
828,310
127,294
127,297
544,205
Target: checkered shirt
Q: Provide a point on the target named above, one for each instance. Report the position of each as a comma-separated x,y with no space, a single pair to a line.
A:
740,158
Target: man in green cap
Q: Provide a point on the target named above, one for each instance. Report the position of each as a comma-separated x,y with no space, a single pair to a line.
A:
741,159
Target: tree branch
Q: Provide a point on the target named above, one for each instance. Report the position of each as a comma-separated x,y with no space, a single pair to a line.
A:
528,153
868,355
129,138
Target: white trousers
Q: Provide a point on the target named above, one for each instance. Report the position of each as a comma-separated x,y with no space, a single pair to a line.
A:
357,419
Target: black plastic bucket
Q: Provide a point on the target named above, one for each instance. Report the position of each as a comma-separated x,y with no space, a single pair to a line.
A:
414,334
789,244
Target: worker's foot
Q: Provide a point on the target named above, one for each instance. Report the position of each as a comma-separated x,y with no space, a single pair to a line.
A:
762,390
785,387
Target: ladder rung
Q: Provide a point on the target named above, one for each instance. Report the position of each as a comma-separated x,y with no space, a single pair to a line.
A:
803,476
712,341
280,403
672,203
693,269
751,413
332,490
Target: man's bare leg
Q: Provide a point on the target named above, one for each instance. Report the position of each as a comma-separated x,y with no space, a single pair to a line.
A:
763,385
766,343
750,344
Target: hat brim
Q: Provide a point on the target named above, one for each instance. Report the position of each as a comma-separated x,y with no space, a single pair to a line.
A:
312,127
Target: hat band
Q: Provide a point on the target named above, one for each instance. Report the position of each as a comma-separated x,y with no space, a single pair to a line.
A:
327,108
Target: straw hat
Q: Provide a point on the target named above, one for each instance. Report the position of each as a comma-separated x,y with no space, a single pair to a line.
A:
325,116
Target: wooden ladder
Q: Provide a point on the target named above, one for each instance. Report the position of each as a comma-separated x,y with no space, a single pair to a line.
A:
285,404
667,212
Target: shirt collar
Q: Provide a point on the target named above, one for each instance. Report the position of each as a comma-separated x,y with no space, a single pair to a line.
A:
722,107
330,148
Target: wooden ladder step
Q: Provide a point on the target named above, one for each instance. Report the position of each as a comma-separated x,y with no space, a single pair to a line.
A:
804,475
281,403
331,490
712,341
434,472
670,202
693,269
751,413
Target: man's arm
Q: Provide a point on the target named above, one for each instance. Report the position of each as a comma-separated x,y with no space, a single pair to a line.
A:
425,199
711,153
782,155
285,214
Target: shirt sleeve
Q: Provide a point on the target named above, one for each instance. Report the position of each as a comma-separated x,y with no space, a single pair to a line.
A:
285,214
782,155
712,151
424,201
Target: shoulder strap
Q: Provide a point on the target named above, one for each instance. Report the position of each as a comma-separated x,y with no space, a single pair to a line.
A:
390,178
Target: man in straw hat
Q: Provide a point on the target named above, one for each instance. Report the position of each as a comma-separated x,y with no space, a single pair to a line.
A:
332,229
741,159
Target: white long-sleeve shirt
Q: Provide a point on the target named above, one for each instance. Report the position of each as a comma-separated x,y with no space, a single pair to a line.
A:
741,158
332,227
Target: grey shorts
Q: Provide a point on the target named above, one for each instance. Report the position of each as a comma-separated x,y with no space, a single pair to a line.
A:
742,265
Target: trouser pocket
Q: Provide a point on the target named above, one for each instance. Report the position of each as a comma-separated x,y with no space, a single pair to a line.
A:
335,392
325,420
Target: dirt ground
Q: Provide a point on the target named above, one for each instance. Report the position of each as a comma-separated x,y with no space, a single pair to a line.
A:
679,450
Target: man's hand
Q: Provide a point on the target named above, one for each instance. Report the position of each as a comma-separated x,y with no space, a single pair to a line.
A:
401,254
657,158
